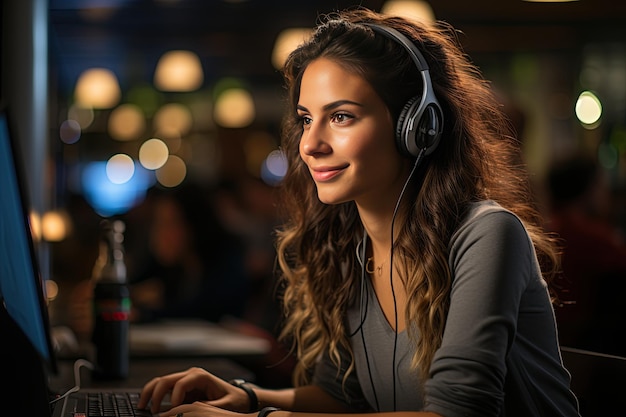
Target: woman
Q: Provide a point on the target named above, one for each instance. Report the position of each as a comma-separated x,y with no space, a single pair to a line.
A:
410,260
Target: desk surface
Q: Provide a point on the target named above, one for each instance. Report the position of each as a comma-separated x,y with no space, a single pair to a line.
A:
142,370
171,346
193,338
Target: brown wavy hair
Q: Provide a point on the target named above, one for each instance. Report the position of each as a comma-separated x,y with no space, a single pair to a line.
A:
477,159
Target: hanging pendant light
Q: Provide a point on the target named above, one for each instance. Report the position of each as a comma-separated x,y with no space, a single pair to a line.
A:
178,71
97,88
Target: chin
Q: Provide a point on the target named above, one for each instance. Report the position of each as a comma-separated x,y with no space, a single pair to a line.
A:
330,200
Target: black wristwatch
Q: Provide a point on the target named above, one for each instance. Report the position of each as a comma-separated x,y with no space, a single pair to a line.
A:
266,410
254,401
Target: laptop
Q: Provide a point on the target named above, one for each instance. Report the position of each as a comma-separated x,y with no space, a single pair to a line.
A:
27,359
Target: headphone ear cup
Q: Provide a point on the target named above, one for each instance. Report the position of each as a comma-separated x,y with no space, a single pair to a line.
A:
413,136
429,129
401,128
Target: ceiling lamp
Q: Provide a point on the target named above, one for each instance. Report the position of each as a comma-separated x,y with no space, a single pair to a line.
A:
287,41
97,88
178,71
411,9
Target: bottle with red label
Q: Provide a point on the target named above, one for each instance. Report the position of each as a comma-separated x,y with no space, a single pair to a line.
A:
111,303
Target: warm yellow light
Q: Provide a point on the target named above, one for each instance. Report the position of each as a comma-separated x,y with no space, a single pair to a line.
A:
178,71
173,120
84,116
234,108
126,122
54,226
35,225
173,172
97,88
287,41
52,289
411,9
153,154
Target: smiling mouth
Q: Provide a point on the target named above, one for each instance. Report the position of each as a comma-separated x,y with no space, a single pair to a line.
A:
326,174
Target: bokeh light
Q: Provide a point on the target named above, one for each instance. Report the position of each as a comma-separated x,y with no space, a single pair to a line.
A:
126,122
120,168
173,120
172,173
234,108
588,108
153,153
274,168
70,131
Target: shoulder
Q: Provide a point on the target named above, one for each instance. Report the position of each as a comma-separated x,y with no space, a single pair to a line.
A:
492,251
492,225
480,210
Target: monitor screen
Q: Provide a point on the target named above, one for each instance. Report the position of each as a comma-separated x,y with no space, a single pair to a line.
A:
21,288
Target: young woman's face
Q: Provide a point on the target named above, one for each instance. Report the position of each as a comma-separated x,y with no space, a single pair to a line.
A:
348,137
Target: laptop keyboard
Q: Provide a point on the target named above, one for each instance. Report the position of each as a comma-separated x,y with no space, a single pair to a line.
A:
111,404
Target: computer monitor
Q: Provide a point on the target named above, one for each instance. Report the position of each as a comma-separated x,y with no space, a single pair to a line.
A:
21,286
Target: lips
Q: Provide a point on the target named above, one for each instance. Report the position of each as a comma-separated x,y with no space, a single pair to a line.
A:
323,174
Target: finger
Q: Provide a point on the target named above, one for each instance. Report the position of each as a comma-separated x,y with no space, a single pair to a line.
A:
146,394
196,379
155,391
161,388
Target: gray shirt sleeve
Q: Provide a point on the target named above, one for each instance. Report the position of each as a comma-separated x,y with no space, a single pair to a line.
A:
495,271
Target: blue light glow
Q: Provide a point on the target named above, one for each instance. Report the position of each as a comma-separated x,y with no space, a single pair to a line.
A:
109,199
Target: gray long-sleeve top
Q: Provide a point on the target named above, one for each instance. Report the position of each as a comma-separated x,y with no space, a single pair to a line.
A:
499,355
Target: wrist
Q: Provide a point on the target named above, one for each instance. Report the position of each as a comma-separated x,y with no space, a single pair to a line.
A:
253,400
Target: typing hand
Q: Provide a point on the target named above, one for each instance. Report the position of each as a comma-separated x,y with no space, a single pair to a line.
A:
194,386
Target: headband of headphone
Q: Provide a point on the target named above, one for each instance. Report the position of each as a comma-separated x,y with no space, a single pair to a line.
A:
420,122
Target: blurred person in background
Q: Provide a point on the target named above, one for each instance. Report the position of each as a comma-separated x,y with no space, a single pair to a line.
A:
191,266
592,286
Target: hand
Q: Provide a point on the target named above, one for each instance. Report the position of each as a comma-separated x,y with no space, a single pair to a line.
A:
191,386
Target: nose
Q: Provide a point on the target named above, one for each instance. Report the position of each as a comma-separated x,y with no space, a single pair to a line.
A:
314,141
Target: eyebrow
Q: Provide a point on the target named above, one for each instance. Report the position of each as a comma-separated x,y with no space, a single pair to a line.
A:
332,105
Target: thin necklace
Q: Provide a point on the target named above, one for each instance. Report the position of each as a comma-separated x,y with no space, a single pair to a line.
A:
369,266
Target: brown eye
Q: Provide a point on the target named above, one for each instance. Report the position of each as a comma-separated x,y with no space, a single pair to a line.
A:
341,117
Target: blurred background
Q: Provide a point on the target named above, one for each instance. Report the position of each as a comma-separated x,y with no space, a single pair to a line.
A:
166,114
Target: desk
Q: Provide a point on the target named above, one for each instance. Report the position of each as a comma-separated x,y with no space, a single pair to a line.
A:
171,346
142,370
176,338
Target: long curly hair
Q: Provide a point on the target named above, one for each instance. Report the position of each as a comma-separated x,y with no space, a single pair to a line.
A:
477,159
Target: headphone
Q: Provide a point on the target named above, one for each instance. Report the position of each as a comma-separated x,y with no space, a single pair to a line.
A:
420,124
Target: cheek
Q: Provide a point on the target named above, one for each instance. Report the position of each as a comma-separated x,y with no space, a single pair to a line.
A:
301,149
377,145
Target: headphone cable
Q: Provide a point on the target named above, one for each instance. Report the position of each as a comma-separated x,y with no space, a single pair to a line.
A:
393,292
364,299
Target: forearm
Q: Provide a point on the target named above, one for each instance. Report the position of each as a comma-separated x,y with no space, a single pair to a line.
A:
285,413
310,400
